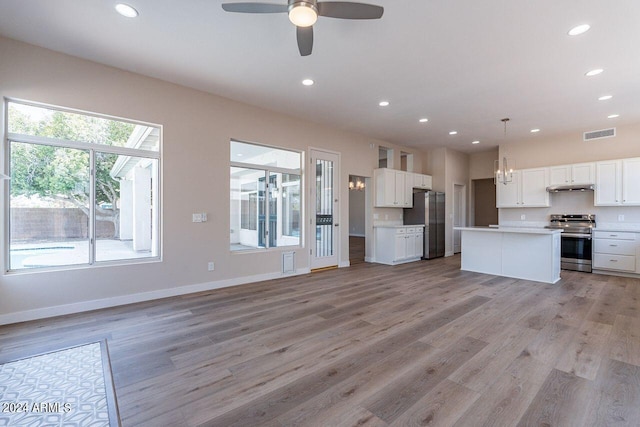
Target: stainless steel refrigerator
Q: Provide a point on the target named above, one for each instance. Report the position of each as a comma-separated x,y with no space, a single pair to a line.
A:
428,209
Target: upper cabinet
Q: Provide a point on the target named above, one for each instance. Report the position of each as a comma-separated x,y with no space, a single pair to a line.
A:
394,189
390,188
421,181
581,173
527,189
617,183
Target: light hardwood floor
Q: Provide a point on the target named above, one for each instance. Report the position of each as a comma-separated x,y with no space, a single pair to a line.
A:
371,345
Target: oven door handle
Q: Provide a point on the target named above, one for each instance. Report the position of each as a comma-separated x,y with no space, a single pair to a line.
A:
582,236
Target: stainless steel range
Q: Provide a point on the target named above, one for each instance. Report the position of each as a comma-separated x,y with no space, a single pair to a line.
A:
576,240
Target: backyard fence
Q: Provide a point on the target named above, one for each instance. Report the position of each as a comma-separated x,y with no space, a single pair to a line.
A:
40,224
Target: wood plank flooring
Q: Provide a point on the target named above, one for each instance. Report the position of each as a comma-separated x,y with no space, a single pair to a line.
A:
419,344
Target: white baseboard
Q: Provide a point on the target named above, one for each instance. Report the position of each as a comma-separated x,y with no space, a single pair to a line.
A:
343,264
369,259
79,307
449,253
356,235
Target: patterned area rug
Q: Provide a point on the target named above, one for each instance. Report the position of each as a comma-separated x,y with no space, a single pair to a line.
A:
70,387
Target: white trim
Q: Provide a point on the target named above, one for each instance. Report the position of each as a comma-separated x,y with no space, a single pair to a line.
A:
369,259
61,310
343,264
80,145
356,235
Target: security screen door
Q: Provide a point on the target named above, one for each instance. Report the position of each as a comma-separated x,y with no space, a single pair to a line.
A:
324,225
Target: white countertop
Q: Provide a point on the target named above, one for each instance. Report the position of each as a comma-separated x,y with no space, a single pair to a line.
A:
520,230
612,226
399,226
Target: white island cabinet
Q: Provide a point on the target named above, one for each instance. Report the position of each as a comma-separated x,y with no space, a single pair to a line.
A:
521,253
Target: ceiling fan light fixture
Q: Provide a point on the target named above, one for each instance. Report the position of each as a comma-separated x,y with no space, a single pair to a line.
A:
303,14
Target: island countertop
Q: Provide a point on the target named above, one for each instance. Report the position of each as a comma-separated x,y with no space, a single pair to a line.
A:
521,253
521,230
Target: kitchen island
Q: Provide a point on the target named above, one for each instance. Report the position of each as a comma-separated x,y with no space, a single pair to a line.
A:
521,253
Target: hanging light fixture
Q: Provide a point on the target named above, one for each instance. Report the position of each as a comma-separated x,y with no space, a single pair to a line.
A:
503,173
356,183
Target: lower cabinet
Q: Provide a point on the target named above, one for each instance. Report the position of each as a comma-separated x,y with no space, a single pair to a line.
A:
615,251
397,245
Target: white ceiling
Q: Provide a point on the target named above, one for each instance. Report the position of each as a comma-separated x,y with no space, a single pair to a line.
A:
464,64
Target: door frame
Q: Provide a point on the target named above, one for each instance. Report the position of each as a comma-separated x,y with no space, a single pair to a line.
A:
337,187
463,211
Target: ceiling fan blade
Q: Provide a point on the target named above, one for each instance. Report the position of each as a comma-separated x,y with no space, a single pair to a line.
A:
255,7
349,10
305,40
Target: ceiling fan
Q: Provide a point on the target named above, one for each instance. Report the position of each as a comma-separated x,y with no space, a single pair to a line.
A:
304,13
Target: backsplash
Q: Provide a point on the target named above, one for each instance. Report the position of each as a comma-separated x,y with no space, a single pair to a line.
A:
573,203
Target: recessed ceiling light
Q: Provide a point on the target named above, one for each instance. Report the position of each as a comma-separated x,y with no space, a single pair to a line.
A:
593,72
126,10
579,29
613,116
475,142
535,130
605,97
383,103
308,82
423,120
453,132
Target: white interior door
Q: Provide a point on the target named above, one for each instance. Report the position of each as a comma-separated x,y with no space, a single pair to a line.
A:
459,217
324,225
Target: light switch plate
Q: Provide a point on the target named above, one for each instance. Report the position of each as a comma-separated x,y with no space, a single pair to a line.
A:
523,217
620,217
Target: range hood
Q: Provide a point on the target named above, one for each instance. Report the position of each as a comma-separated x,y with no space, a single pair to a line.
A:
571,187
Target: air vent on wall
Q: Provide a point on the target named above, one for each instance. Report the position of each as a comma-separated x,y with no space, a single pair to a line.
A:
599,134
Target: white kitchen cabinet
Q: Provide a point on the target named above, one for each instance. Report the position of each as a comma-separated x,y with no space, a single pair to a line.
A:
408,190
509,195
534,187
424,182
398,244
608,190
617,183
580,173
391,189
418,242
615,251
527,189
631,181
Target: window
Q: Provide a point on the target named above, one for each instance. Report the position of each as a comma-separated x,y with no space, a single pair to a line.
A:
265,197
83,188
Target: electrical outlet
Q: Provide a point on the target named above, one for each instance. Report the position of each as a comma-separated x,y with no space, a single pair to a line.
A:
523,217
211,266
620,218
196,217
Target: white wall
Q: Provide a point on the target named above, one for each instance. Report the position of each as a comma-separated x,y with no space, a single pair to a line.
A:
570,148
197,128
481,164
572,203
